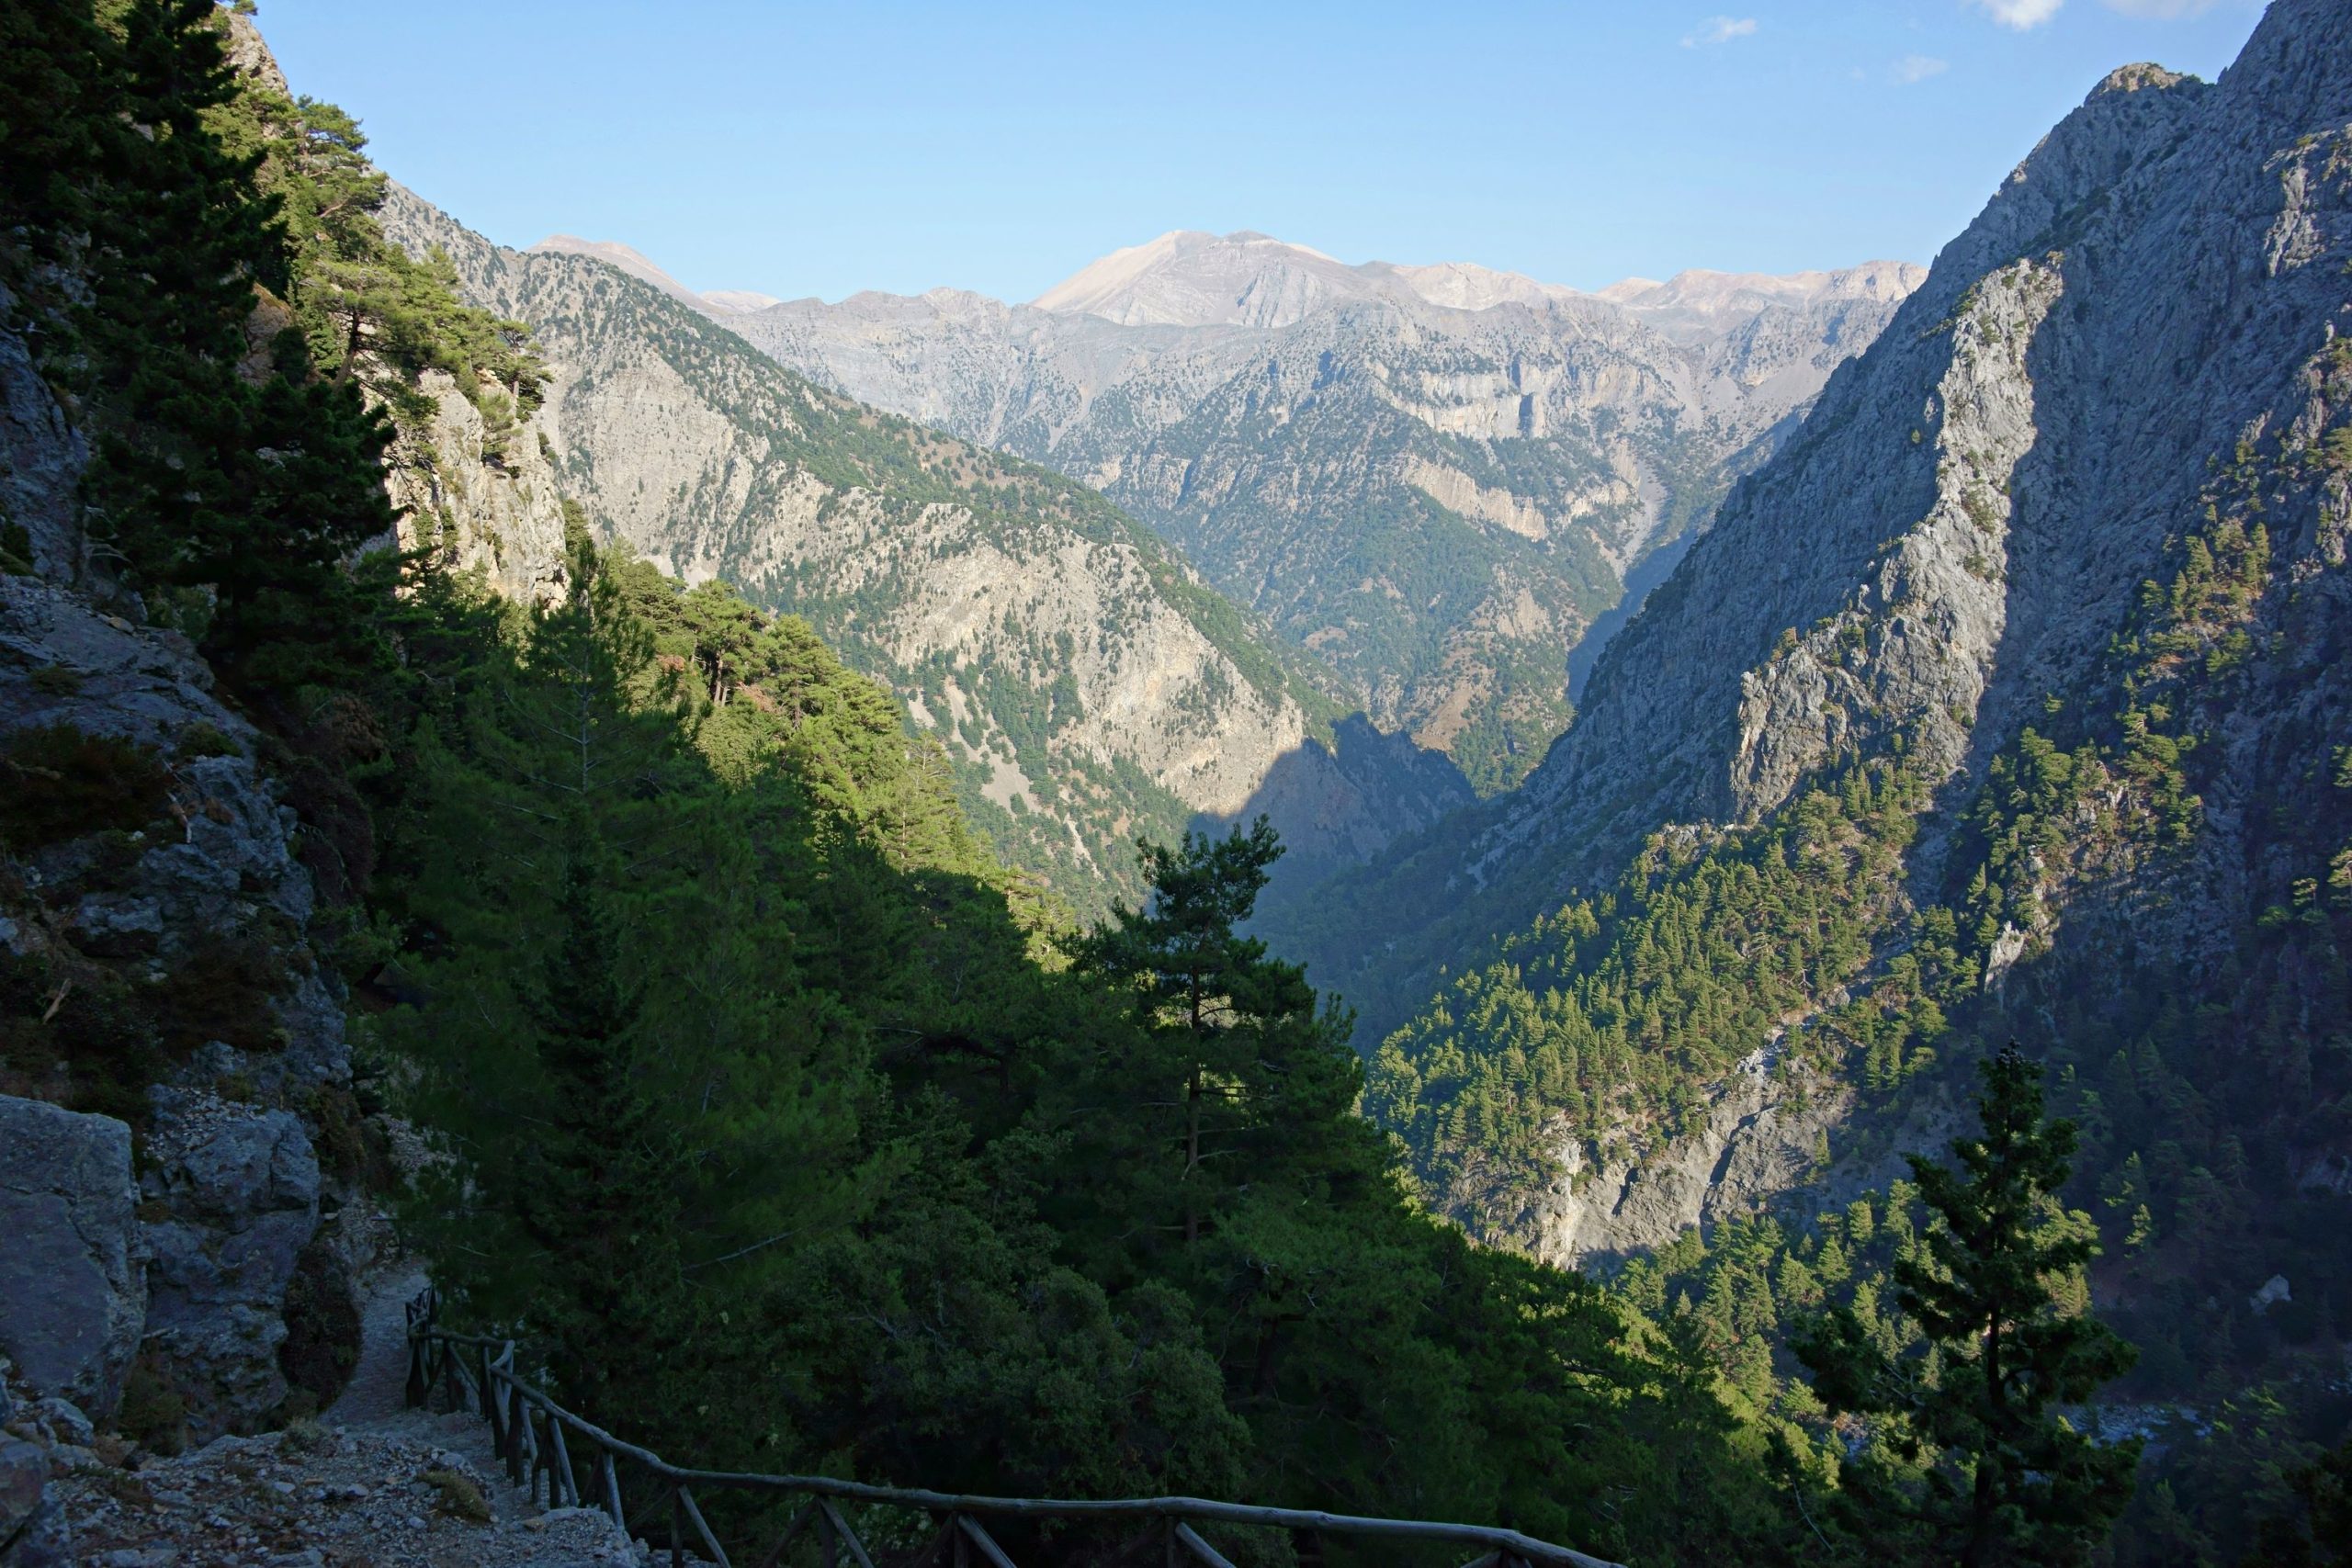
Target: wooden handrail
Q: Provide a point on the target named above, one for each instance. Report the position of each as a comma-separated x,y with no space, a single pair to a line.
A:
432,1357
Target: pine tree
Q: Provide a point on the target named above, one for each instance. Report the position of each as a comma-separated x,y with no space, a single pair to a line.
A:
229,486
599,1199
1240,1030
2007,1478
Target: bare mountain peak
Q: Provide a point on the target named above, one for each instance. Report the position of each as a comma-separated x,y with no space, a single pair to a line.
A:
1698,303
739,300
1466,285
1187,277
638,264
629,259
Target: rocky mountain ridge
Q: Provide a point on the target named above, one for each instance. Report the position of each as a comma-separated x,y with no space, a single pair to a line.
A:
2139,344
1435,479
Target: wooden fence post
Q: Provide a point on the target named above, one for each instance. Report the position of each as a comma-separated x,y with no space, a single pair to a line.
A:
566,1485
516,1430
609,1480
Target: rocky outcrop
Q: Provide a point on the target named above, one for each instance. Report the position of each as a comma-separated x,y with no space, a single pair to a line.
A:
231,1191
187,938
486,498
1771,1137
42,459
157,903
72,1295
214,882
34,1530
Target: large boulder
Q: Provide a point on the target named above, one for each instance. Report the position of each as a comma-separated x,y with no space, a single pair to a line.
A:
234,1190
33,1529
72,1296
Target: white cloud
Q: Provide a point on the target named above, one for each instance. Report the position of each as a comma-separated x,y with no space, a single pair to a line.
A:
1719,29
2024,15
2161,10
1919,67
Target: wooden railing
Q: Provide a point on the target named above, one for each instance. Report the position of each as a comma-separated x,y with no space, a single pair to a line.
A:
537,1438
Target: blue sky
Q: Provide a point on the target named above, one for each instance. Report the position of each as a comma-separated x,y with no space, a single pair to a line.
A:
820,149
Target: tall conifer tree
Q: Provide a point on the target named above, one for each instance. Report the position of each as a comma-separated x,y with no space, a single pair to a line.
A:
2007,1477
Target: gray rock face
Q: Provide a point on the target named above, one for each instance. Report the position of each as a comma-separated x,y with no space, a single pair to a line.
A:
201,914
73,1297
226,870
42,459
34,1531
238,1188
1768,1140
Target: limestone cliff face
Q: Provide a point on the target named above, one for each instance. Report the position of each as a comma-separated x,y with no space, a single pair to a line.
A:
1086,685
1772,1136
1434,477
2158,296
488,499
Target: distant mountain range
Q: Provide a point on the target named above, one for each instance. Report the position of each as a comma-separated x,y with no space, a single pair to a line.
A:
1438,479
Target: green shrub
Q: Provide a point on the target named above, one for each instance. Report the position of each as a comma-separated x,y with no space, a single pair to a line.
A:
202,740
461,1498
154,1413
221,991
59,782
322,1344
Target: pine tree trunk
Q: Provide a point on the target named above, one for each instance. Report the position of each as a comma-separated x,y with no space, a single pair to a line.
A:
1192,1154
1192,1124
1984,1506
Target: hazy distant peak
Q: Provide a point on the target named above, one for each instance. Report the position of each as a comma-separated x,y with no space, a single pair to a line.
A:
638,264
1699,302
739,300
634,263
1628,288
1700,288
1188,278
1466,286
